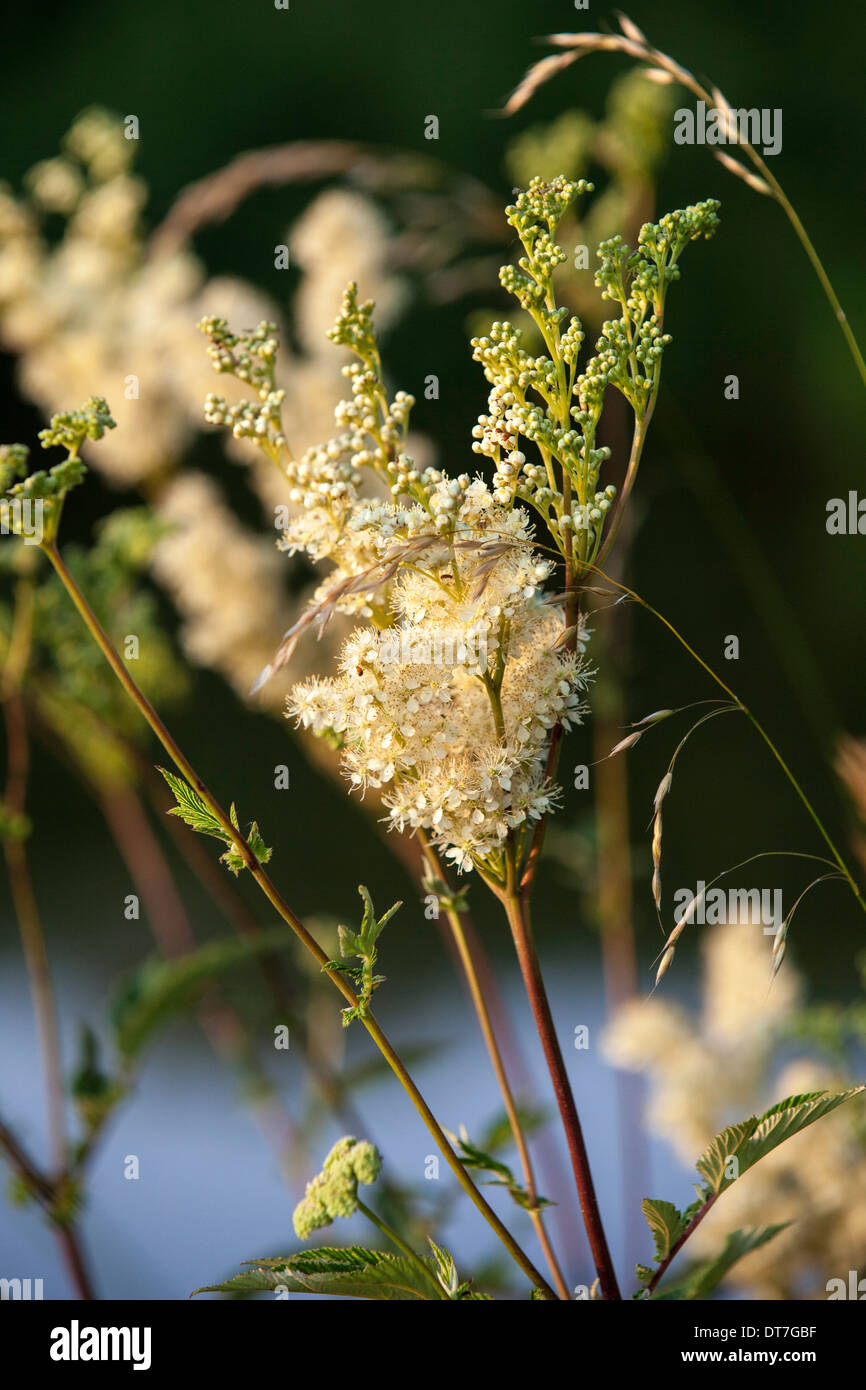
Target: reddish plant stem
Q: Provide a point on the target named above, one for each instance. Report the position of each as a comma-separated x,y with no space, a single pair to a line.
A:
70,1246
521,929
485,1022
678,1245
45,1193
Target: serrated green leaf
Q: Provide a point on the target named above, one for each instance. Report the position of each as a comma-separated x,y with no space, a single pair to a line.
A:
752,1140
362,945
713,1161
666,1223
473,1157
198,816
445,1268
190,807
159,988
788,1118
352,1272
732,1153
703,1279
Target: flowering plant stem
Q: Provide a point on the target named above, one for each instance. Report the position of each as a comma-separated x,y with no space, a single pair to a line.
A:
515,900
401,1245
486,1023
517,910
275,898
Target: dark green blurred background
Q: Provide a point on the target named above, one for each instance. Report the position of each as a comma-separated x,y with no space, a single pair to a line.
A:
211,80
732,494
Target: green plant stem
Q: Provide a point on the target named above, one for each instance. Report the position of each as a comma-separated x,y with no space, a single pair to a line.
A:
20,879
756,724
489,1033
638,440
572,605
816,262
401,1245
517,912
274,897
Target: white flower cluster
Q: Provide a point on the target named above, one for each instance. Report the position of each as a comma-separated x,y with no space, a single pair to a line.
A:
207,552
457,750
93,300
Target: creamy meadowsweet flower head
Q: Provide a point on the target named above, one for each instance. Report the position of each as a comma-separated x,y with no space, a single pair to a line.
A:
204,542
412,704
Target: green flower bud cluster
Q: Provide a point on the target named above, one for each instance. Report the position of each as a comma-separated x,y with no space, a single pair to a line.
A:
70,428
618,265
262,423
373,420
354,326
50,485
334,1191
13,464
248,356
586,516
48,488
545,399
507,366
377,427
668,238
79,698
518,280
535,216
544,203
374,428
626,357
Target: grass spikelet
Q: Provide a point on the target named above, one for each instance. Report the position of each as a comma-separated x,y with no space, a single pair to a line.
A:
662,790
630,29
734,166
628,742
657,860
665,963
